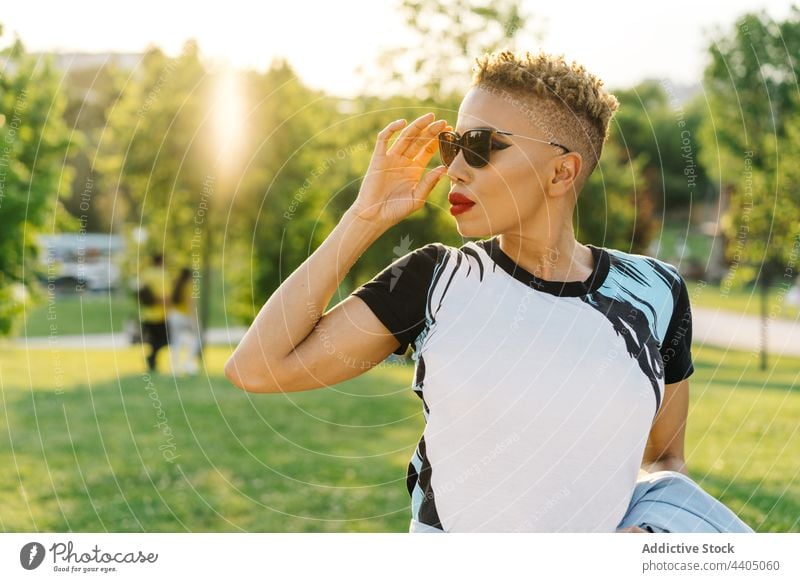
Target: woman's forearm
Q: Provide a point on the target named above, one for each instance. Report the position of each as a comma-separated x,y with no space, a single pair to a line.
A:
294,309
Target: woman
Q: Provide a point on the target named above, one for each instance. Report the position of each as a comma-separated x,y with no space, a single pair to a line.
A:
552,374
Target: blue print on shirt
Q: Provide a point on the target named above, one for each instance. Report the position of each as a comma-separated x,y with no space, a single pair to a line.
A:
639,307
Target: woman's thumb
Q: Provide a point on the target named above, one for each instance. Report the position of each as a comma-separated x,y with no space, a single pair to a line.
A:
429,181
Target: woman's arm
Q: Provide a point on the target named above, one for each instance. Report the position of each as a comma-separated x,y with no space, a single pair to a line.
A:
664,450
266,360
292,345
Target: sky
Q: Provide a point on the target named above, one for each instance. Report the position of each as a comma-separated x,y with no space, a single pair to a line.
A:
621,41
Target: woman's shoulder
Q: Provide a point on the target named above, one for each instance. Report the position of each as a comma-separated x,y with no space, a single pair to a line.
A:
434,257
437,251
643,263
468,249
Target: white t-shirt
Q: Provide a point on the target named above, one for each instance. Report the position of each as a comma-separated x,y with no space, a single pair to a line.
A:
538,396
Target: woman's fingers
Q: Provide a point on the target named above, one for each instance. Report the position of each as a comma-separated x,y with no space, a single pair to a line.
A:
429,146
418,141
381,143
409,135
632,529
427,142
428,182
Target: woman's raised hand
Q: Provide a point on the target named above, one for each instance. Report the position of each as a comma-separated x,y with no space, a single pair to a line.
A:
394,186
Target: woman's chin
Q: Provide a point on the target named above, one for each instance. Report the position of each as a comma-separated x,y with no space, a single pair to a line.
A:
472,230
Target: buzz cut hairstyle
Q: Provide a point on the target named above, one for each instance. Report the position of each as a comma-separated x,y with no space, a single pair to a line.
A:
562,99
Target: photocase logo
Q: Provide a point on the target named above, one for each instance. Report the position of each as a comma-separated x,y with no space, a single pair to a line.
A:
400,251
31,555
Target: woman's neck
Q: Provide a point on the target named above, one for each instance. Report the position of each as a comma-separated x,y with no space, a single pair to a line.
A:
557,257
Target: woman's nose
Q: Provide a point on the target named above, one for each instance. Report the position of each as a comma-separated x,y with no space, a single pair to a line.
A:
459,170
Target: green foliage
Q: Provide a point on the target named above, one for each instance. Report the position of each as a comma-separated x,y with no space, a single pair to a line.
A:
449,34
91,92
662,133
159,161
298,169
281,202
611,209
154,151
750,137
33,143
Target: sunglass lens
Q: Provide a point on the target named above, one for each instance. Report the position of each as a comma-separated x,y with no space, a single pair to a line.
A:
476,145
448,147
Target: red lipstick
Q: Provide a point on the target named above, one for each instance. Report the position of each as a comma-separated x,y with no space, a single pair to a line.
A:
459,203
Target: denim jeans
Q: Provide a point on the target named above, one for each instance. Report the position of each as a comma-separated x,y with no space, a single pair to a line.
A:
665,502
671,502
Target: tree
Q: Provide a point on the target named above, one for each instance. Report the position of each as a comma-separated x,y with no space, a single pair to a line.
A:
33,145
611,209
448,35
752,96
749,139
91,93
660,130
156,154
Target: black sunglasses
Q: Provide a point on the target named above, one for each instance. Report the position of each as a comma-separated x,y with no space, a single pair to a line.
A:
477,144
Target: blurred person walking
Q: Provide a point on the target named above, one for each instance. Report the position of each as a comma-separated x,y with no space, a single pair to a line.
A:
153,304
184,337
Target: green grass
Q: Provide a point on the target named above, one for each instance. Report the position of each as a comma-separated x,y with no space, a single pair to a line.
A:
674,240
741,300
82,450
743,438
77,314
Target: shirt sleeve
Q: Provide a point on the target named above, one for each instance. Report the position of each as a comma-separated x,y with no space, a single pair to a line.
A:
397,295
676,349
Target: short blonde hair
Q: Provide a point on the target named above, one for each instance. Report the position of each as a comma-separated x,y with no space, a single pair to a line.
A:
564,100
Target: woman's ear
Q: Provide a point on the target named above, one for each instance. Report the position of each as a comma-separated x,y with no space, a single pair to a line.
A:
565,174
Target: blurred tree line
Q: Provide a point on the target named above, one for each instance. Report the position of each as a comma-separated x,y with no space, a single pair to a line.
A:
144,154
34,174
750,137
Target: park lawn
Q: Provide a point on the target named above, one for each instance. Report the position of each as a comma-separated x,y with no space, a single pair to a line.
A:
83,451
745,299
673,239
